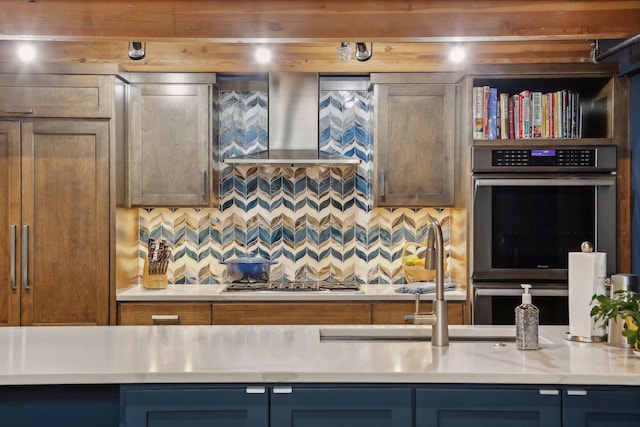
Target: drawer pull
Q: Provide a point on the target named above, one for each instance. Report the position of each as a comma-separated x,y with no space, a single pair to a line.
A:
19,110
166,319
576,392
549,392
282,390
256,389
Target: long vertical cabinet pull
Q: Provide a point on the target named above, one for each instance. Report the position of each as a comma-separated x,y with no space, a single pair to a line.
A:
203,183
25,256
12,236
383,186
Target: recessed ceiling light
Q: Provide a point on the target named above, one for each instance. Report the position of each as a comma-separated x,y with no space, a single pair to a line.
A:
26,52
262,55
457,54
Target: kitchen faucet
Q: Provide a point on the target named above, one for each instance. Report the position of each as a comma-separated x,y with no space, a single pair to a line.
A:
438,318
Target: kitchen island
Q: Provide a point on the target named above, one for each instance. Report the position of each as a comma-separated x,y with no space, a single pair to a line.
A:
134,367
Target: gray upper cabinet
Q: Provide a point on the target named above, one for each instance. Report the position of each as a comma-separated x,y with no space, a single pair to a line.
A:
414,144
170,140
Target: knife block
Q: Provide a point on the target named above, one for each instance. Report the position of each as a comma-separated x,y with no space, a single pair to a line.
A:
153,281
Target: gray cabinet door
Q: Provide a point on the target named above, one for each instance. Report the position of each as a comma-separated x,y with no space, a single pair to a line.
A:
415,145
169,136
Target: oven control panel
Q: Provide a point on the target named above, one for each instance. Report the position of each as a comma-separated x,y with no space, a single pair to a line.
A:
544,157
541,159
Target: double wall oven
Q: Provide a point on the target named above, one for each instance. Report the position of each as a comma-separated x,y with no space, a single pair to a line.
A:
531,207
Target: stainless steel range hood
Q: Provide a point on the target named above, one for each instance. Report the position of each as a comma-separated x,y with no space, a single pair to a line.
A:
293,125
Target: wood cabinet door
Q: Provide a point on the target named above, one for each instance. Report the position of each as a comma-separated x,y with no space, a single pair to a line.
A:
10,279
393,313
169,135
56,95
65,222
415,145
303,313
155,313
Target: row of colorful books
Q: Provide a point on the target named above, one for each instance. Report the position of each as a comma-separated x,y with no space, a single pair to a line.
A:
526,115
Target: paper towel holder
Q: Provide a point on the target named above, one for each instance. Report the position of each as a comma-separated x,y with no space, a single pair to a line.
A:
587,247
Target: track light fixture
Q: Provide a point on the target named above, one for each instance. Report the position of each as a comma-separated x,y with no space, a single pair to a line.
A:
362,52
137,50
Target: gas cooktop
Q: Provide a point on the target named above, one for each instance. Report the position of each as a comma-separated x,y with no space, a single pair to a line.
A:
303,286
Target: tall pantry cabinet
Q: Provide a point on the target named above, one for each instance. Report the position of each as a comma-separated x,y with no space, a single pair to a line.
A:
55,198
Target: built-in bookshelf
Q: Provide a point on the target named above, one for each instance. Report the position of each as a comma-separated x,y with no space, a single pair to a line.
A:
513,109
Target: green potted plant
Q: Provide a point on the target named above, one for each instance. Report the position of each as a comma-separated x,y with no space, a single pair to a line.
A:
623,305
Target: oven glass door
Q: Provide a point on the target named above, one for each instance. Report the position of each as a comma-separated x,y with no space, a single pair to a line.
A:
524,228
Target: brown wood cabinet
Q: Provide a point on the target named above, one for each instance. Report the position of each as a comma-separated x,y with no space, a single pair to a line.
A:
164,313
415,143
55,95
604,103
392,313
303,313
277,313
54,222
170,137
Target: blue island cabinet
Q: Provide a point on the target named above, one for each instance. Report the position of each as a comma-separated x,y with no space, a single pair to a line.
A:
488,407
341,406
193,406
601,407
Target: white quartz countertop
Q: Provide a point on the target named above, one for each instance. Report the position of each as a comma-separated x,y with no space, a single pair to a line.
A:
296,354
214,293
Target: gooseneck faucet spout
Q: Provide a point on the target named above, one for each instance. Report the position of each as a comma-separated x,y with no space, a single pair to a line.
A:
438,319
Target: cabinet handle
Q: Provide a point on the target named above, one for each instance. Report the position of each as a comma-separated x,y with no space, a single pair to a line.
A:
12,237
19,110
165,319
25,257
203,182
256,389
383,186
282,390
576,392
549,392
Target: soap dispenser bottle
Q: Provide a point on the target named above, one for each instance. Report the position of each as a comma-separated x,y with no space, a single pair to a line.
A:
527,318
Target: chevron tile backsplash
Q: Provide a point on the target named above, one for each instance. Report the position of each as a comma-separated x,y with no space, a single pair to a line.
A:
316,223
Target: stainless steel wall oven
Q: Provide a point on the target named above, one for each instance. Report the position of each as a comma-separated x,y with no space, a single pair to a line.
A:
531,206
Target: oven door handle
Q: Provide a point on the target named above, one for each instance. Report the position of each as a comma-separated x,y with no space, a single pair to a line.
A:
517,292
555,181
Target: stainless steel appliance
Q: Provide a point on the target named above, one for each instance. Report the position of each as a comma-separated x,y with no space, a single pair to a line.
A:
531,207
302,286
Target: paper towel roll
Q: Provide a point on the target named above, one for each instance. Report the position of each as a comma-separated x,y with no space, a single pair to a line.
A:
587,272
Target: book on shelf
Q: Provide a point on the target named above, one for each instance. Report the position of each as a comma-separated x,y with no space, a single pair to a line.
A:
504,115
536,115
526,114
493,113
478,112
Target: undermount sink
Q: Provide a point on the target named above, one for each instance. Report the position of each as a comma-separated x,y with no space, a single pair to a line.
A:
415,334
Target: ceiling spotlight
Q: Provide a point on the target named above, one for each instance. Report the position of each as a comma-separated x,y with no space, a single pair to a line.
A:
457,54
137,50
262,55
362,52
26,52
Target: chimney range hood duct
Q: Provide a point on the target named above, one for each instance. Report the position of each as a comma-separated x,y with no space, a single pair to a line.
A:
293,125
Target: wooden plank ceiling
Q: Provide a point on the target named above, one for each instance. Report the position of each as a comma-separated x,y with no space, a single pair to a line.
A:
219,35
